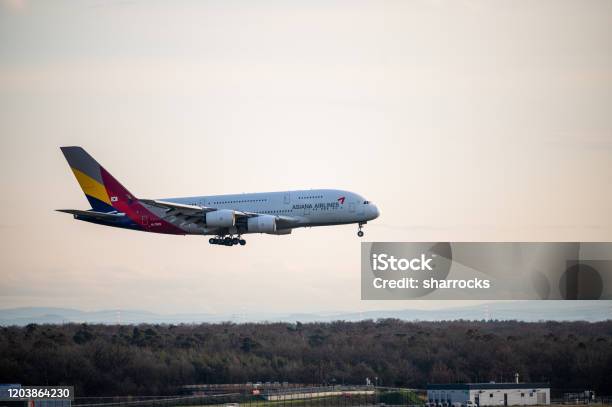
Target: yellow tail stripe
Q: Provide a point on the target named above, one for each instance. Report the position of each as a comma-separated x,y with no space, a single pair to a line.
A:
91,187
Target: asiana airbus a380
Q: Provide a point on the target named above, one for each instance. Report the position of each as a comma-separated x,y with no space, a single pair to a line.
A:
226,217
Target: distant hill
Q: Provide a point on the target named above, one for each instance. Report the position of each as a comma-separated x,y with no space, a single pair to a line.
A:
529,311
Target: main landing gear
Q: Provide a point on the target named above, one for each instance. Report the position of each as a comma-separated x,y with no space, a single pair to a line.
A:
227,241
359,231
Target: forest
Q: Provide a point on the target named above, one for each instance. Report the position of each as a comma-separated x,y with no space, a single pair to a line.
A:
158,359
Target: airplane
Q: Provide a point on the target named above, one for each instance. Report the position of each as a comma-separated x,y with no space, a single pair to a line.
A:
226,217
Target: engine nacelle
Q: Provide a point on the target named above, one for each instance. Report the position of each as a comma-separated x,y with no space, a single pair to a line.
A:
223,218
281,232
261,224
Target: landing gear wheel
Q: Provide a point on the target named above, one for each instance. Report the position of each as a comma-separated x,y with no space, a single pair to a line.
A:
227,241
359,231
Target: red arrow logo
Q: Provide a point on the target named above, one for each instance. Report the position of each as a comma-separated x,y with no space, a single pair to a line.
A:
341,200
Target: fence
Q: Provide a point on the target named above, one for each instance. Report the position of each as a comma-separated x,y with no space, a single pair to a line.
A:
329,396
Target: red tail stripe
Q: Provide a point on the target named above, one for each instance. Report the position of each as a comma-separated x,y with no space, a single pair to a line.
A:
123,201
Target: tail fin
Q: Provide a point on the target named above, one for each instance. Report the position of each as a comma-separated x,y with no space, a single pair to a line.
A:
104,193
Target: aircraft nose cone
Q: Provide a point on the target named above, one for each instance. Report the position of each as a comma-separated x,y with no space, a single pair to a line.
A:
374,212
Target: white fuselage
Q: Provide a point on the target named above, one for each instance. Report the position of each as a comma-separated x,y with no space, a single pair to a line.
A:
314,207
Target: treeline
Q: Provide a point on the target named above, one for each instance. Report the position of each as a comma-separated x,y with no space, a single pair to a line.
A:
156,359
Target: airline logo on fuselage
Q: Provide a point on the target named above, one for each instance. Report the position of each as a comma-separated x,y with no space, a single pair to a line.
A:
319,206
341,200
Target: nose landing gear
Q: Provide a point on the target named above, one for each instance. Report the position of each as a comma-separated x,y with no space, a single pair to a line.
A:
227,240
359,231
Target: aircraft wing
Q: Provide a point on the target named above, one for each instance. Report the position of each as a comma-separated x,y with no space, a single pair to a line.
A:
178,209
179,213
186,213
195,214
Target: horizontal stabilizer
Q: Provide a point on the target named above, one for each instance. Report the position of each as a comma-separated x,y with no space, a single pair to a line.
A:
93,214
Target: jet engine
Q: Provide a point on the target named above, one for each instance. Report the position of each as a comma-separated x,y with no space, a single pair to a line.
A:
223,218
261,224
281,232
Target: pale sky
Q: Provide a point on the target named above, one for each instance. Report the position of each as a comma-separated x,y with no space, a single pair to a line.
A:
462,120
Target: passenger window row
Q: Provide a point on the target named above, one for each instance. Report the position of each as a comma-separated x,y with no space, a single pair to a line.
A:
239,201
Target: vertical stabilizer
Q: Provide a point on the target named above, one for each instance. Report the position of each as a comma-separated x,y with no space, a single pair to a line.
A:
102,190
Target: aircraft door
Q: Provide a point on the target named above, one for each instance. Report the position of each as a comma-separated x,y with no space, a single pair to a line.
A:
352,207
287,198
541,397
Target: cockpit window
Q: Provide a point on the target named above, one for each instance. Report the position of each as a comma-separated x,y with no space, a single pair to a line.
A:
366,202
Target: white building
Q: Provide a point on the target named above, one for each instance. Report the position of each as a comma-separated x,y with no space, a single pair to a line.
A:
490,394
